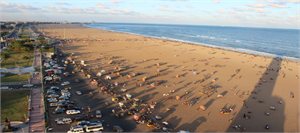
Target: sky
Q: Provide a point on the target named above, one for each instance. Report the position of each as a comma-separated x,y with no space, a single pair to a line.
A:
245,13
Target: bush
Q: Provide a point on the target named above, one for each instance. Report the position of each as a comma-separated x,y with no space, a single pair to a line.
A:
5,54
26,57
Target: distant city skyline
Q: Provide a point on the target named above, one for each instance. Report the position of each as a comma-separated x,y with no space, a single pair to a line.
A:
244,13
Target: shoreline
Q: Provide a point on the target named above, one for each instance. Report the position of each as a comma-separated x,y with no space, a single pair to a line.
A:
238,50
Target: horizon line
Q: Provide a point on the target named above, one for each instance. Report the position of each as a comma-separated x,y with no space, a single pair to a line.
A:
97,22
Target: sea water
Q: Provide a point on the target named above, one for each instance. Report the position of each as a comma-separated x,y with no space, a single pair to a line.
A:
274,42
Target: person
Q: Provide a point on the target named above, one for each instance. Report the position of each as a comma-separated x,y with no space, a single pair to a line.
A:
267,126
292,95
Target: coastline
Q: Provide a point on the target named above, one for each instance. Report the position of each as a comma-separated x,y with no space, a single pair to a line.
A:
238,50
192,71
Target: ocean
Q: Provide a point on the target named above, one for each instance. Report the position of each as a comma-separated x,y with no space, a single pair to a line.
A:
283,43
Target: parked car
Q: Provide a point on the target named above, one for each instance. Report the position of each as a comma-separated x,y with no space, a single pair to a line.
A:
59,122
58,110
65,83
73,112
55,88
28,85
49,92
76,129
83,123
78,93
67,120
66,74
53,95
117,128
94,127
63,97
4,88
53,104
52,100
98,114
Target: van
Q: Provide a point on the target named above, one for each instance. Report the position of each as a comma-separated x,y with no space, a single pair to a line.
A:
94,127
77,129
4,87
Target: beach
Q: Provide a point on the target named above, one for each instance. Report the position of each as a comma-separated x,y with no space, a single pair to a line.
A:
196,88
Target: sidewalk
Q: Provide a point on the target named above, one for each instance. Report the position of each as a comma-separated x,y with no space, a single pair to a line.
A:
36,115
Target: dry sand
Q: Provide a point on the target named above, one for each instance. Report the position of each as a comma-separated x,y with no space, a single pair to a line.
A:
250,84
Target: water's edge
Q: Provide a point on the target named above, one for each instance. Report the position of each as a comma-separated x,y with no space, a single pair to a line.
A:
239,50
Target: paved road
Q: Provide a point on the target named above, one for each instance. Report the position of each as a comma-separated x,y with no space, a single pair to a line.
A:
36,116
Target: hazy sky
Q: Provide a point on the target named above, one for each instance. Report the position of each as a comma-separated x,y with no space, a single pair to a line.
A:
249,13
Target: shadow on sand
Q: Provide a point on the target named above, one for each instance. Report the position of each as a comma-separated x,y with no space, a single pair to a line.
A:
262,111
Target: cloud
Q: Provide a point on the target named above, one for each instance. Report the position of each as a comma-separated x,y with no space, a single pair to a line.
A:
292,1
257,5
277,5
282,1
101,6
14,7
115,1
98,9
63,3
259,8
66,10
166,8
216,1
264,5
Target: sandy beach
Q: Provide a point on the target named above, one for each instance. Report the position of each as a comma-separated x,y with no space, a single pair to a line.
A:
197,88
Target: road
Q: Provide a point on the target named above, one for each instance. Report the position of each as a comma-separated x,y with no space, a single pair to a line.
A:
36,115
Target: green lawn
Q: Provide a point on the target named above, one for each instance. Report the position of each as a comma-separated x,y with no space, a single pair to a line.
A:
18,59
48,50
15,77
14,105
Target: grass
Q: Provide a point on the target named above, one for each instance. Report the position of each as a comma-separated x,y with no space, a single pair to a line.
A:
51,49
9,77
18,59
14,105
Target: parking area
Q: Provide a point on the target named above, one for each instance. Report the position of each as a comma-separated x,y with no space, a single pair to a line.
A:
75,105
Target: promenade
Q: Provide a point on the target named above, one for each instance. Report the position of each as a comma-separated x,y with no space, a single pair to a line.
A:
36,115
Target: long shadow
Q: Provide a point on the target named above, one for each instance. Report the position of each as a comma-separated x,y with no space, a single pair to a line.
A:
192,127
257,113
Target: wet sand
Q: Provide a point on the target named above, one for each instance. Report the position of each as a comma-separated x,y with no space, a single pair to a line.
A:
254,90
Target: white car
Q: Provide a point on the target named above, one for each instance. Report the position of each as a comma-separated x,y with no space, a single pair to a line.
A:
67,94
63,97
61,121
50,92
67,120
52,100
54,88
65,83
53,104
53,95
73,112
78,93
28,85
77,129
98,114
